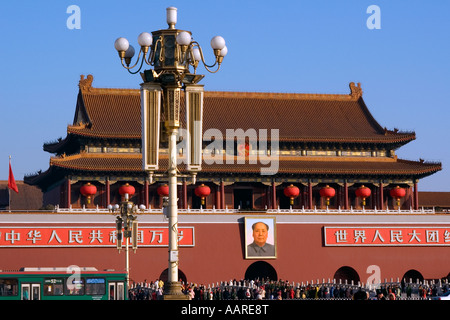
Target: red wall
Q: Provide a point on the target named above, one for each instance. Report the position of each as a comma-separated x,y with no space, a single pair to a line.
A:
218,255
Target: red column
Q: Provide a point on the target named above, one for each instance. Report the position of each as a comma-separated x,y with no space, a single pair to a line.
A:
218,202
346,195
416,196
107,193
274,195
340,197
381,196
310,195
222,194
184,190
146,199
69,192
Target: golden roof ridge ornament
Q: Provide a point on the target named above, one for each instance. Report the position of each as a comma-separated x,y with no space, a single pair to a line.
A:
355,91
86,84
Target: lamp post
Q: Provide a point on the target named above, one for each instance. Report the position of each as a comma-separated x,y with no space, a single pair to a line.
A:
126,227
171,52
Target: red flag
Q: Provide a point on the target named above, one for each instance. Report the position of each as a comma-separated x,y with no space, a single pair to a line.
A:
11,181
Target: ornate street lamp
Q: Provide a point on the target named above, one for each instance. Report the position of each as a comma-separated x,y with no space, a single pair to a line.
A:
126,224
171,52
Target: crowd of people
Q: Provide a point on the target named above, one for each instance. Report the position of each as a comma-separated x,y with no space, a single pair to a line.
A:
282,290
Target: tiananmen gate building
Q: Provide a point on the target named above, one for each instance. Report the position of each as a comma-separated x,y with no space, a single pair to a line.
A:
335,196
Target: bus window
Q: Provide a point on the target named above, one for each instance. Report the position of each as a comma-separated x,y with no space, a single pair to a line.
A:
74,286
54,287
25,292
95,286
9,287
31,291
116,290
35,291
120,291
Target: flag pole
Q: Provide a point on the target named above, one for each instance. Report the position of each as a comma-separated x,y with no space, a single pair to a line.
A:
9,190
11,184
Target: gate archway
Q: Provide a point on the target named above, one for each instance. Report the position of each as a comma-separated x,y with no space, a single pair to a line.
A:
261,270
413,275
164,276
346,273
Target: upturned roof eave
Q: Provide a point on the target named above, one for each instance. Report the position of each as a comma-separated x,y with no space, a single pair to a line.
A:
398,140
422,168
90,134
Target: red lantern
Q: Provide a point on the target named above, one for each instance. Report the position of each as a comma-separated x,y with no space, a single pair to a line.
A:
163,190
363,192
244,149
397,193
291,192
327,192
202,192
126,189
88,190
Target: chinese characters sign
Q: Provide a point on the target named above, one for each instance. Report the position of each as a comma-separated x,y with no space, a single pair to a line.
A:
387,236
87,236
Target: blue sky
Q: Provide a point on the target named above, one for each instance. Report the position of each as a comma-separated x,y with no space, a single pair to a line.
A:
273,46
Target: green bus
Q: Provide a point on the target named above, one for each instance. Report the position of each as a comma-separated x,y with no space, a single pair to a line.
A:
72,283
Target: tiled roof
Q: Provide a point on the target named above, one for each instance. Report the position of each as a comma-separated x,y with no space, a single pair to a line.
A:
99,162
299,117
288,165
115,113
434,199
28,198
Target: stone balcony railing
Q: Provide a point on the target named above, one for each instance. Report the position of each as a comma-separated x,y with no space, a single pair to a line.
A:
267,211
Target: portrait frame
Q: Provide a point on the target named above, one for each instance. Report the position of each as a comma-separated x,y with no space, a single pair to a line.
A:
271,237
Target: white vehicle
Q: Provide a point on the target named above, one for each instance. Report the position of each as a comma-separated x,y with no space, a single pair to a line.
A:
444,296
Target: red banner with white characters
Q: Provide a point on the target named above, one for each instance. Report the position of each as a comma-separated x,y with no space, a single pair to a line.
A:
88,236
386,236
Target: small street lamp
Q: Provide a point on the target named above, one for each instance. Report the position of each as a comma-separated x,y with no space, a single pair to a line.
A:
126,227
171,52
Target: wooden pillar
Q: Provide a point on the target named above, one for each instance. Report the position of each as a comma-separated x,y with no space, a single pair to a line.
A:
303,196
217,197
310,195
107,193
274,195
184,191
416,196
222,195
381,196
146,195
340,197
69,193
346,206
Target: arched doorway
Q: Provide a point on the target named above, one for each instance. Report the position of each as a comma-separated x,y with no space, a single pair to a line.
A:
243,198
261,270
413,276
346,273
165,276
